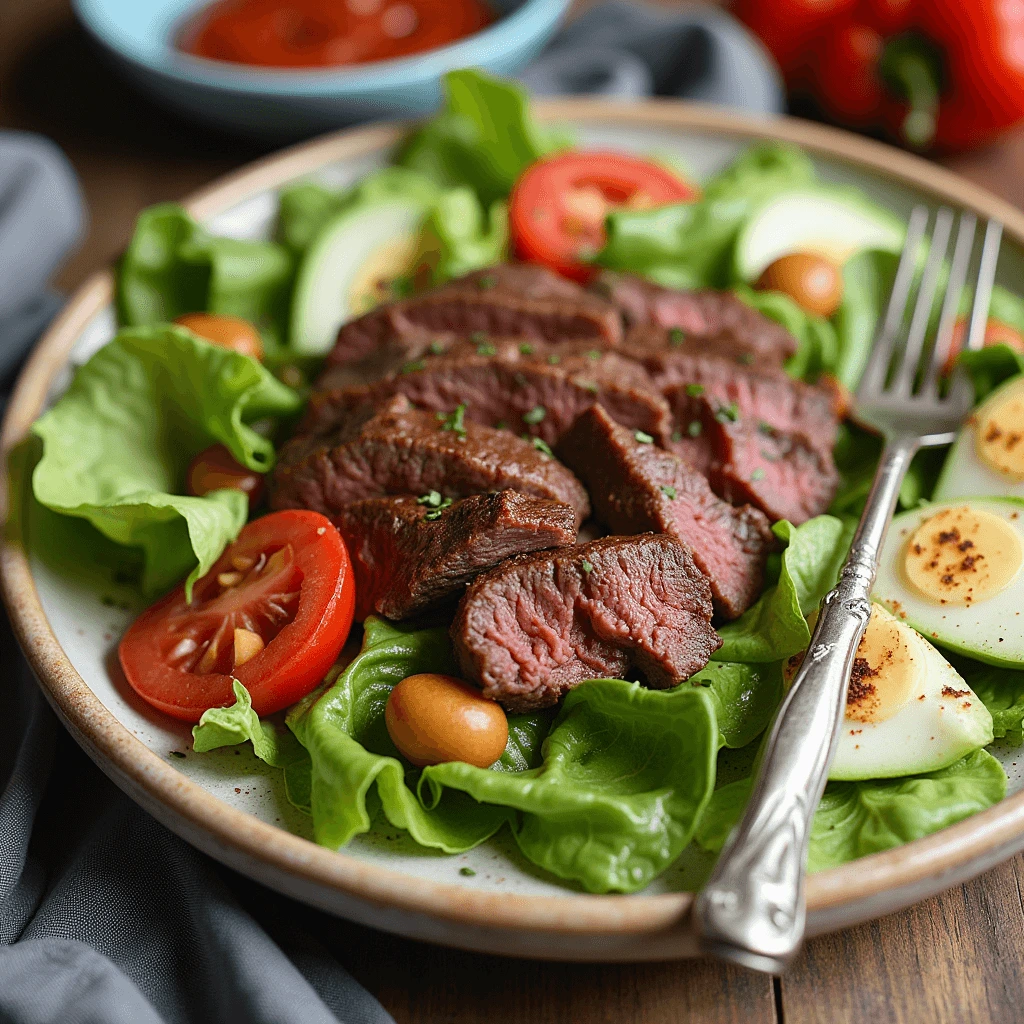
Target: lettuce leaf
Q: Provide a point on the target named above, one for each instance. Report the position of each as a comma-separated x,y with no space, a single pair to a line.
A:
989,367
855,819
117,444
627,773
238,723
173,266
745,697
484,137
461,238
690,245
776,626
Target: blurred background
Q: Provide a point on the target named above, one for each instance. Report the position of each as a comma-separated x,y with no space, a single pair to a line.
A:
846,61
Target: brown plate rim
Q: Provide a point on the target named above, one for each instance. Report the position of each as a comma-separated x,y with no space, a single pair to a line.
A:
946,854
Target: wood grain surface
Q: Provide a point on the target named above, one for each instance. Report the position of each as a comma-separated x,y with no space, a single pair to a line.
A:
956,958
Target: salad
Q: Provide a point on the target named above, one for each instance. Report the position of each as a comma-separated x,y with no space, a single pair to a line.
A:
554,440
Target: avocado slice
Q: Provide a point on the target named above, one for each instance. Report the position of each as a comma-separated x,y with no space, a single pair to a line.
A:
831,222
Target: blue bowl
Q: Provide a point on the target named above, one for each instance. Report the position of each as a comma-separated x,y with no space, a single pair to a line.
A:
283,104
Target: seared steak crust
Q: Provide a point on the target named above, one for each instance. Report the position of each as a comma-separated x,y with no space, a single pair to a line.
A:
400,450
539,624
408,557
636,487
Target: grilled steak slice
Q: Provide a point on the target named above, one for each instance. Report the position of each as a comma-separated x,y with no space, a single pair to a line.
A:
511,300
787,473
400,450
657,314
535,626
636,487
522,395
408,557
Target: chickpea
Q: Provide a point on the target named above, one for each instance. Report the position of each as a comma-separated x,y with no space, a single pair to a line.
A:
229,332
215,468
433,718
811,281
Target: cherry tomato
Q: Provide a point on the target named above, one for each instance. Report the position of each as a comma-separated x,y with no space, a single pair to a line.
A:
224,331
996,333
273,613
558,207
215,468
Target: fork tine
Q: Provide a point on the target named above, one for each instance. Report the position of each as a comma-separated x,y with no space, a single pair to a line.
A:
907,360
874,374
954,288
983,291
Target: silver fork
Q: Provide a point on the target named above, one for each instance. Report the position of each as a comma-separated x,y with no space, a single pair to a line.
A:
752,909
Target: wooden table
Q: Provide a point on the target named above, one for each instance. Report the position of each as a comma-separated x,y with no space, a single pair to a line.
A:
955,958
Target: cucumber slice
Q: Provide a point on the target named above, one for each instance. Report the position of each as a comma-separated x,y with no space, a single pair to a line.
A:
830,222
346,271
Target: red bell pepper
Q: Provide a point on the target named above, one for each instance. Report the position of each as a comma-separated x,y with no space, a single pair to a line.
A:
933,74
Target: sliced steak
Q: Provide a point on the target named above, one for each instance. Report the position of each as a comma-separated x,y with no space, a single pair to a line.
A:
524,396
788,475
406,451
511,300
535,626
657,314
408,557
636,487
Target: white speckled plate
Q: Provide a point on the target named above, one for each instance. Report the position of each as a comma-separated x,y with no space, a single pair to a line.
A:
227,804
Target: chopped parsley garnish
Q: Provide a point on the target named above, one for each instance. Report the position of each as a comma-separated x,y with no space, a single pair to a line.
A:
416,364
455,421
676,337
468,872
432,498
486,282
695,390
587,568
642,437
434,514
747,359
695,428
758,474
589,385
526,349
668,491
765,428
501,425
541,445
436,348
593,355
677,435
730,413
554,360
535,415
485,348
479,337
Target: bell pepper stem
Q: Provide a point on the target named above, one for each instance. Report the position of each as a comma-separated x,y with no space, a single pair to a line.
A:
911,71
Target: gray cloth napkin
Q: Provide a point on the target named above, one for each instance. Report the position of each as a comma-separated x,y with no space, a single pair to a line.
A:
105,916
629,50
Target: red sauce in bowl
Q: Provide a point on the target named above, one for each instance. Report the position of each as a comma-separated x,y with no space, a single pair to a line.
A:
328,33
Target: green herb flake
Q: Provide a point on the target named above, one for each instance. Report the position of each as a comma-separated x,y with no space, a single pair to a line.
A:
479,337
467,872
593,355
485,349
486,282
758,474
747,359
526,349
433,499
436,513
416,364
668,491
642,437
695,428
728,413
554,360
695,390
541,446
587,568
677,435
436,348
535,415
501,425
456,421
676,337
589,386
765,428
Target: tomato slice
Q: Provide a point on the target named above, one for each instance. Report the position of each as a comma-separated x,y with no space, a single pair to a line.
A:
273,613
558,207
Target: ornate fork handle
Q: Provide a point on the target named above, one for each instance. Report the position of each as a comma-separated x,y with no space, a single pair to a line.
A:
752,909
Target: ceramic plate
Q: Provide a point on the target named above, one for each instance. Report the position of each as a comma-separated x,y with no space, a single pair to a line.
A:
227,805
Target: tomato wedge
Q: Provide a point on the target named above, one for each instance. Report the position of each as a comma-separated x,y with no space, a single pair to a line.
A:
559,205
273,613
